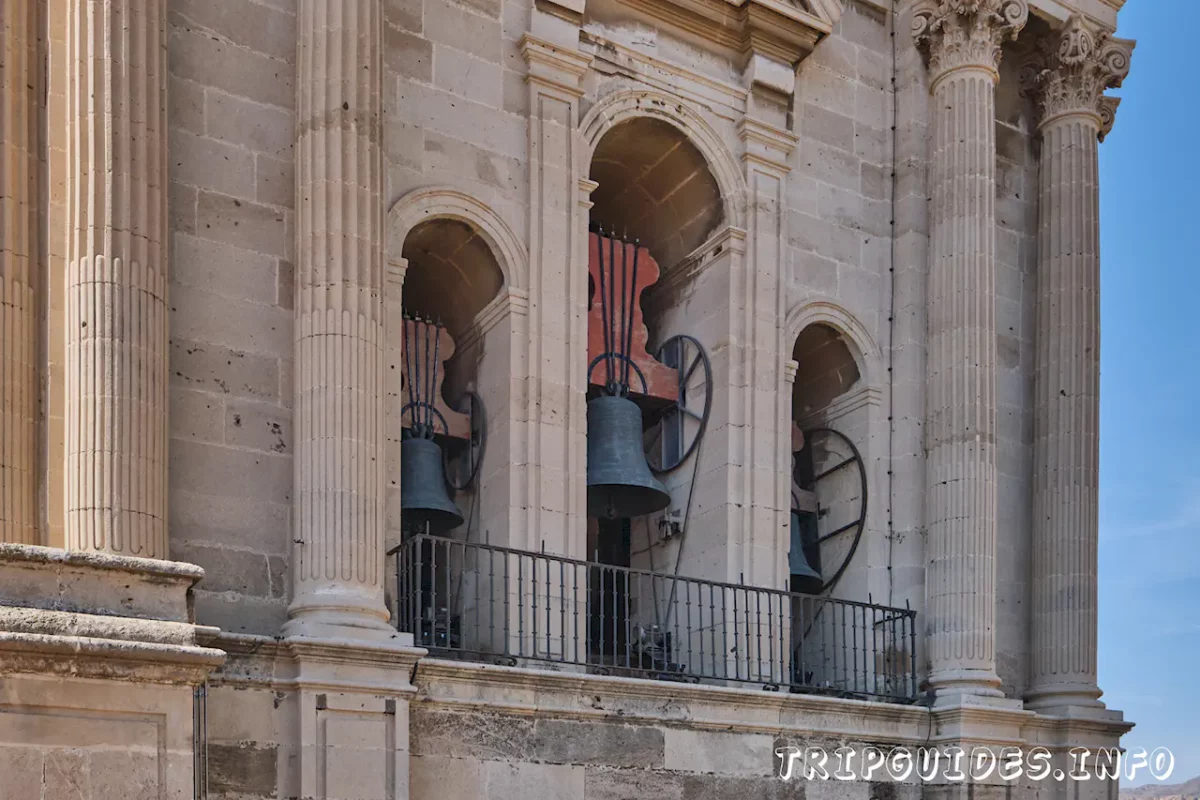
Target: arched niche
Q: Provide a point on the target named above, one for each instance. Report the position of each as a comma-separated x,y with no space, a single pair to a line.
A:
665,180
454,260
835,366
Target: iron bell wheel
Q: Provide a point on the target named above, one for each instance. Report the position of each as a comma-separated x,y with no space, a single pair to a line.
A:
805,579
619,481
423,496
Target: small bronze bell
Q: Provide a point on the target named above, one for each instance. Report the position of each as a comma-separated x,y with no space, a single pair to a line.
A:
619,481
423,496
805,579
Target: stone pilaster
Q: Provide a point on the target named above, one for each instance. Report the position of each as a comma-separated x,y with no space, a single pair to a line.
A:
963,42
554,490
1072,71
18,315
767,400
116,288
339,492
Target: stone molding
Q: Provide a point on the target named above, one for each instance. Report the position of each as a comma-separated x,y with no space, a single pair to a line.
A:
966,34
727,240
265,662
550,64
780,29
1070,69
766,145
448,202
848,403
65,656
460,685
92,582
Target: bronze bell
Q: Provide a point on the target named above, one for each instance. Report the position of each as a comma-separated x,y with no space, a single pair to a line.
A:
805,579
423,496
619,481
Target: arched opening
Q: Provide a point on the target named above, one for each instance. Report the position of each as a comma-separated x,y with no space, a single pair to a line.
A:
452,277
828,488
657,202
655,186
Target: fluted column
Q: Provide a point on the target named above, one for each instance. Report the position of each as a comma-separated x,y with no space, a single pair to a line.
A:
18,332
116,287
339,495
1074,67
963,41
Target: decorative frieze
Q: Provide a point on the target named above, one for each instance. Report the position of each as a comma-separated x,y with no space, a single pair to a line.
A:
116,287
18,330
962,38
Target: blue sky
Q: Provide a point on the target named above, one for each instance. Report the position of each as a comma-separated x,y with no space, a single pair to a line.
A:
1150,386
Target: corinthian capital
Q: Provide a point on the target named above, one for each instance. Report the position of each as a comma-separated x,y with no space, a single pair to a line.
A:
966,33
1070,69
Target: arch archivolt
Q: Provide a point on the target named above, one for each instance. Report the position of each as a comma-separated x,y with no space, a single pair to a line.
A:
627,104
447,202
827,312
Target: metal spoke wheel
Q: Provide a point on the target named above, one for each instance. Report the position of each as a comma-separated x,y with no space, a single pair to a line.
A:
840,484
678,429
462,459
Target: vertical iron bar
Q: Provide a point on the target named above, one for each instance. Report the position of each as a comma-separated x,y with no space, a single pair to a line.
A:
603,291
758,666
628,621
912,649
420,593
491,593
408,376
533,605
737,639
600,574
612,308
632,304
562,609
520,604
623,366
691,661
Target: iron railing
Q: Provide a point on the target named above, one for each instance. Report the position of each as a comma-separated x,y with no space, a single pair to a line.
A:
488,603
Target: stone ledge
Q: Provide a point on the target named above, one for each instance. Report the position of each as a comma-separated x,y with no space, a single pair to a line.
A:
339,665
96,583
108,659
452,685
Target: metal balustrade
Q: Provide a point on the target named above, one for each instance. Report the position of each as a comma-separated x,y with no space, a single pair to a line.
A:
496,604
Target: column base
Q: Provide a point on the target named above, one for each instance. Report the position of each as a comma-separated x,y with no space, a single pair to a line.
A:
954,683
339,613
1064,695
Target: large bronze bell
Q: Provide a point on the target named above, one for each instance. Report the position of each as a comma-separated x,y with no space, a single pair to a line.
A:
423,497
805,579
619,481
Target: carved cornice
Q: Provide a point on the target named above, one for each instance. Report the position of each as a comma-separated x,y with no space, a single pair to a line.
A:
1070,69
958,34
786,30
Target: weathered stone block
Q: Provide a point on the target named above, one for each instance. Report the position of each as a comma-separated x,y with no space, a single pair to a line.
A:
246,768
609,743
213,368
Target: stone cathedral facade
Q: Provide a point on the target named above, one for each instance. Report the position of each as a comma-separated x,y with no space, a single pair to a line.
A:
861,240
